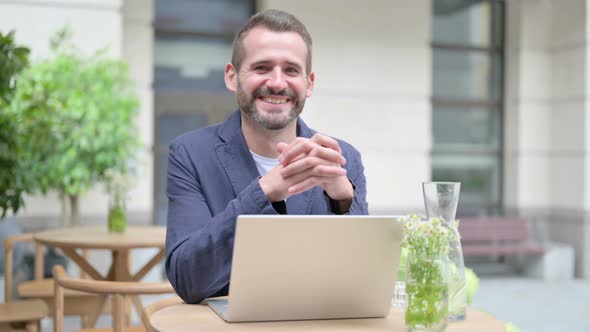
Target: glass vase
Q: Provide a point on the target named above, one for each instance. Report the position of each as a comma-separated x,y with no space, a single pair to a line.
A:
426,293
399,292
441,200
117,219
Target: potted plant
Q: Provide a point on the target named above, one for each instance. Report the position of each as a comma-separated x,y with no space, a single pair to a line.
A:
117,184
75,120
427,273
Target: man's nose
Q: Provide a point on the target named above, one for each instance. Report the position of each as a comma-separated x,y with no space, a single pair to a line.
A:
277,82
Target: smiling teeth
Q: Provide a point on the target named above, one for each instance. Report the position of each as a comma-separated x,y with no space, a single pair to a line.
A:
275,100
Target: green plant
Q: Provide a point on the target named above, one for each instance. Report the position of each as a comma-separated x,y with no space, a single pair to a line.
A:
472,282
427,244
510,327
117,187
13,59
75,120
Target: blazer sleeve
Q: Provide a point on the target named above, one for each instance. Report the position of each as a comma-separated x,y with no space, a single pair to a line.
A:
199,245
356,175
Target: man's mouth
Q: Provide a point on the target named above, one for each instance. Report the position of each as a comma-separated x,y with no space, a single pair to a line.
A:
274,100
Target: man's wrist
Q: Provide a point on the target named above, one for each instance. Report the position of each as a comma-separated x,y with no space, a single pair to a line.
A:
266,189
341,202
340,207
342,191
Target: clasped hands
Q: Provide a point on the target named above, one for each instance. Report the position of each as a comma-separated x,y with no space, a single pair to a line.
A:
304,164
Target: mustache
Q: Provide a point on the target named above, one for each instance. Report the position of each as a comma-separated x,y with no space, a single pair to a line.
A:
283,93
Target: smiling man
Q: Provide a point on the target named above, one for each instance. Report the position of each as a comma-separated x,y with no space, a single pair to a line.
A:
262,160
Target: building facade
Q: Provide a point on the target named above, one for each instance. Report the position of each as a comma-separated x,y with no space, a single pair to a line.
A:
376,87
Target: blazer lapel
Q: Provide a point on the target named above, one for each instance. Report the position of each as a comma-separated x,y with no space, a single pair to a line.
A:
234,154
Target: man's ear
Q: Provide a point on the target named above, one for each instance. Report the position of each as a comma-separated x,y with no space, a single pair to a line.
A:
310,82
231,78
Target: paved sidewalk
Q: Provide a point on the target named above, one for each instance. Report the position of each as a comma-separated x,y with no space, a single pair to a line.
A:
536,306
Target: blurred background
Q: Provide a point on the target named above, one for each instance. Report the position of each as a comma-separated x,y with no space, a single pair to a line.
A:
489,93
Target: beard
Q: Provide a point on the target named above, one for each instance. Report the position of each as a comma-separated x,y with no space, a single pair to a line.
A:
246,102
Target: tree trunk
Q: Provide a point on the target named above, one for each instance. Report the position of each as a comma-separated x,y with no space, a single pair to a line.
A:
65,213
75,210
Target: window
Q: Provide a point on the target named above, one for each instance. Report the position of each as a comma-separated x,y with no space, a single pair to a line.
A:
193,42
467,85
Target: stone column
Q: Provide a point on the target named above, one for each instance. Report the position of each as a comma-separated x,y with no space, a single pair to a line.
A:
546,174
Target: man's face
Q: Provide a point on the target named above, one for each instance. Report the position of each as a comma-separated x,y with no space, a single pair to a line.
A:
271,84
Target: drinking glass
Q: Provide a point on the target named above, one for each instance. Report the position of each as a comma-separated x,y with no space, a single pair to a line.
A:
440,200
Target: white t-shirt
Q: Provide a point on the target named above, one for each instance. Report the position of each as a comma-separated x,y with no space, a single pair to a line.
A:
264,164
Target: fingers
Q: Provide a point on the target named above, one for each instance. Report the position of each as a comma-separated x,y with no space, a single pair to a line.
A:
305,185
328,180
328,155
282,147
312,162
320,146
311,177
326,141
297,147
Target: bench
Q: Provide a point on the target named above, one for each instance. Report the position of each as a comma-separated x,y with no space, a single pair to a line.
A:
498,237
510,238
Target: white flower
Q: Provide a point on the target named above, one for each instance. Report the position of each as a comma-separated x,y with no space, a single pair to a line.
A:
430,236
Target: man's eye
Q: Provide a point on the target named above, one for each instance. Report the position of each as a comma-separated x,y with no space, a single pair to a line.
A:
292,71
261,68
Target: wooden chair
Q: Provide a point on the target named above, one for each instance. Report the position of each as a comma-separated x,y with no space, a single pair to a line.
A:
22,315
76,303
117,289
152,308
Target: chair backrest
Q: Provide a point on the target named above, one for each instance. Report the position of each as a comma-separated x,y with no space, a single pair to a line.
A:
117,289
39,261
9,244
494,229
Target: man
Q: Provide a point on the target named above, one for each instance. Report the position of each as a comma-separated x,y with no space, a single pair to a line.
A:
262,160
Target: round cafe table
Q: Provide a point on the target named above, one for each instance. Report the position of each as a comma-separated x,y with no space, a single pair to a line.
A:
69,240
187,317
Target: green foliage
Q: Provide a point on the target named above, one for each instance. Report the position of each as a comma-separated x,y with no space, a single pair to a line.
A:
427,285
75,118
13,59
117,219
427,291
512,328
472,281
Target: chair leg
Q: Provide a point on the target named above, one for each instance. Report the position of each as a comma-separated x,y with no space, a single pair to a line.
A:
118,313
85,321
128,311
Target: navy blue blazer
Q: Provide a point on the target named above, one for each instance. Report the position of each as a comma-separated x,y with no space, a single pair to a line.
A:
212,178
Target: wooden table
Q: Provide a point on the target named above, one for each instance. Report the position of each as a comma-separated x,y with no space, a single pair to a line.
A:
186,317
120,245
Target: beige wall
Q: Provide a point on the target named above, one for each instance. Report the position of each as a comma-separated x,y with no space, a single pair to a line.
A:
372,61
124,26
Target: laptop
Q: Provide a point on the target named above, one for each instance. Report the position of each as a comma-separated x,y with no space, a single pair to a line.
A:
311,267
